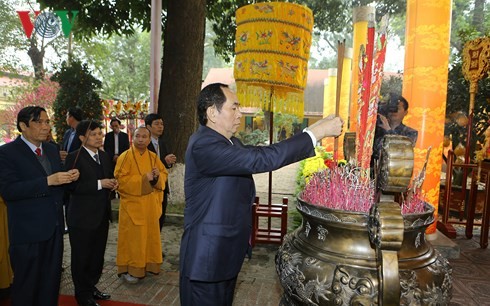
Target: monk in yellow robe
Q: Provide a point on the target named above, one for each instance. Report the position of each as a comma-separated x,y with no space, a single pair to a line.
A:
6,275
141,176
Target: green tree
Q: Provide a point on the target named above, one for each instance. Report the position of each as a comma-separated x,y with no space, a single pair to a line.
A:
12,37
284,123
14,41
184,43
121,62
77,88
211,59
392,84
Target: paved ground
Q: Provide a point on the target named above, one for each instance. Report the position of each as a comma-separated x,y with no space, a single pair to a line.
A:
258,283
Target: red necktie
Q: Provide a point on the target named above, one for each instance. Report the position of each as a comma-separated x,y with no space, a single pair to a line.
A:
38,151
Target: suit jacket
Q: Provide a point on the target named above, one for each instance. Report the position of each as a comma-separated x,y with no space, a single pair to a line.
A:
75,144
89,206
34,208
219,193
109,143
163,152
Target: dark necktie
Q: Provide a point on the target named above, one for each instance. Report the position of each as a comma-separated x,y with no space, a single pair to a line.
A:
38,151
96,157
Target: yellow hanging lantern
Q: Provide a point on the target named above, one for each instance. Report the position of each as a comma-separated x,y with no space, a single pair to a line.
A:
272,50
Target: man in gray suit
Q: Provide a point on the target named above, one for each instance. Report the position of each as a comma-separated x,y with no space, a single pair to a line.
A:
219,192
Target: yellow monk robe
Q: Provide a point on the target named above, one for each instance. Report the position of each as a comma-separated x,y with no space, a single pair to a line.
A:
6,274
139,246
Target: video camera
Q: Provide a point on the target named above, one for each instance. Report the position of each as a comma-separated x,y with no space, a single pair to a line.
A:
389,105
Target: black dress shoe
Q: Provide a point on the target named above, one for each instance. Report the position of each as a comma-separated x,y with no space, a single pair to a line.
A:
89,302
98,295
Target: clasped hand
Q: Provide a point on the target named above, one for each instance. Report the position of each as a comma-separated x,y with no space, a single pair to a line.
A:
111,184
153,175
60,178
170,159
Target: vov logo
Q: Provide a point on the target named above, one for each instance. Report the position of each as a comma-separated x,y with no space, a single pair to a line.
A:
46,23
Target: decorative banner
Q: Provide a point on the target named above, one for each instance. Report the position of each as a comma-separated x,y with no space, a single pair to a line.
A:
371,77
365,76
476,64
425,86
272,49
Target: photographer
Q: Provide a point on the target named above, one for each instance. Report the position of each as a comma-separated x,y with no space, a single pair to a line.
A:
390,121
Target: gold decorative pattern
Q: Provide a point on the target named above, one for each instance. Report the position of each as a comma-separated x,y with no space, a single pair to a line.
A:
272,52
425,86
476,61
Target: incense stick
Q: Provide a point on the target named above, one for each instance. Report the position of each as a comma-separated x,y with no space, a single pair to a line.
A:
340,64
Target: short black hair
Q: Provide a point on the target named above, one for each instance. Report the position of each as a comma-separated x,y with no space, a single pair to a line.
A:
85,125
75,112
404,102
210,95
27,114
115,119
152,117
395,98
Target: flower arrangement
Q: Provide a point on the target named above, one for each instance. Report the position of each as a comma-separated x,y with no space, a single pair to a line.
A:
125,110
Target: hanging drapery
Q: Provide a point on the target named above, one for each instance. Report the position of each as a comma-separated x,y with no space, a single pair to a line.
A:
365,75
371,77
272,49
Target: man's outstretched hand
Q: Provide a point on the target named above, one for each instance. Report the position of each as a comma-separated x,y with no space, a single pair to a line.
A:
330,126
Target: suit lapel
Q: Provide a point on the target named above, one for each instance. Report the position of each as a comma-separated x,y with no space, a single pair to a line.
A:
31,157
151,147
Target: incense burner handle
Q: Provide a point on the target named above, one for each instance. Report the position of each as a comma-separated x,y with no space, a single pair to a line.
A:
386,233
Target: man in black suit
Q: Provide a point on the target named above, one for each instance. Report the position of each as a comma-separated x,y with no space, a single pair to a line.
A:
219,192
154,123
115,142
30,179
70,142
89,212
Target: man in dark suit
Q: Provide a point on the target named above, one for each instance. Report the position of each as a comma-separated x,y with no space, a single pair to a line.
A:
30,179
115,142
89,212
154,123
70,142
219,191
